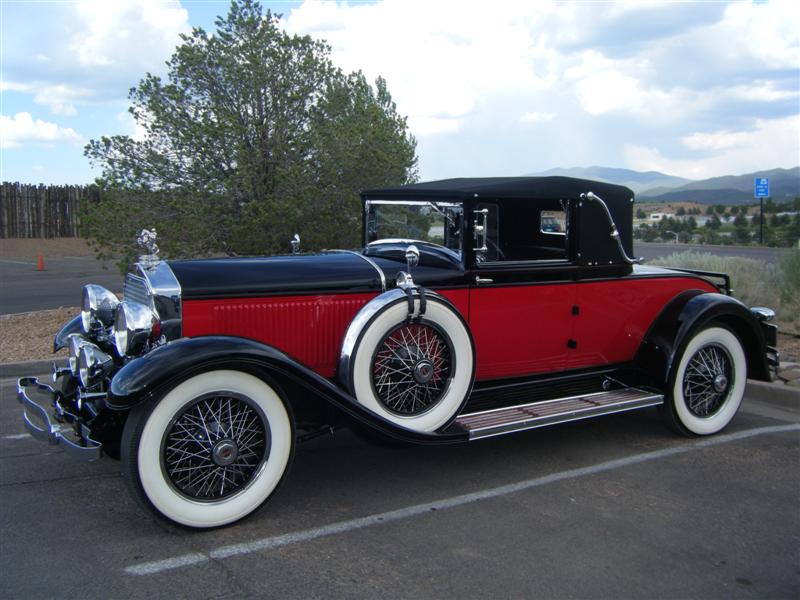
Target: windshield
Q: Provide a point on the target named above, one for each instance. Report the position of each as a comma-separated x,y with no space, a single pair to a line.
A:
435,222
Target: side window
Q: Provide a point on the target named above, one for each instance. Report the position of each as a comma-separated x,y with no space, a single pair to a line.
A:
553,221
525,230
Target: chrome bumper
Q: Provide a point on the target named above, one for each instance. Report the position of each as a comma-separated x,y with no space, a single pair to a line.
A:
84,449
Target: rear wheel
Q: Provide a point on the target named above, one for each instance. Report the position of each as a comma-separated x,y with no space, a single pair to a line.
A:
709,383
211,451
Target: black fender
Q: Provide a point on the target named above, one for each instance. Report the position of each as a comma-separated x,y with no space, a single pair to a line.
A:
60,340
685,314
141,379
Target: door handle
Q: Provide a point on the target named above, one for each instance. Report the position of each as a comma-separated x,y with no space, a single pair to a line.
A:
481,281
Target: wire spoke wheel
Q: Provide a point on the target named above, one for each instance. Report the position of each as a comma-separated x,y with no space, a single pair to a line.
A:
215,446
707,380
412,368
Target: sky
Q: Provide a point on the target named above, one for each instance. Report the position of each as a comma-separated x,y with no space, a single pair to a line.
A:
512,87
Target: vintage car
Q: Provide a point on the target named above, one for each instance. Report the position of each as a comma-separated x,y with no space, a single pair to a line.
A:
467,314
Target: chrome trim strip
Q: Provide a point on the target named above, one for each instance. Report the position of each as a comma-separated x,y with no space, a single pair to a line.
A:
375,266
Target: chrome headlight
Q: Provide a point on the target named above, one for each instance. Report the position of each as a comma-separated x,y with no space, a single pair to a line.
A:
76,342
93,363
133,326
98,307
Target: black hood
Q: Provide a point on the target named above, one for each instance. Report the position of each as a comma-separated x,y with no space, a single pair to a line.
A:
264,276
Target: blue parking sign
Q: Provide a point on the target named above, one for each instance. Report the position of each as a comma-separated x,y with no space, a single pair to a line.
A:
761,187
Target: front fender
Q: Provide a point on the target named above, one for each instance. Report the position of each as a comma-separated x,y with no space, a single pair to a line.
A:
682,317
140,379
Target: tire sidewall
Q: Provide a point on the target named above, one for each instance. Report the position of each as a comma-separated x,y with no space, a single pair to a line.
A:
443,317
701,426
148,447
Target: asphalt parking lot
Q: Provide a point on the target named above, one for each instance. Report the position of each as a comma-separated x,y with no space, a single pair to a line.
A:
25,289
612,507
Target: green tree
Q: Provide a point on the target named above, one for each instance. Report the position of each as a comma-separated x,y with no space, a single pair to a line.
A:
709,210
681,211
640,214
719,208
254,135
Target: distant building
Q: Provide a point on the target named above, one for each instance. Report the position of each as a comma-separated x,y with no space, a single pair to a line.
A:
659,216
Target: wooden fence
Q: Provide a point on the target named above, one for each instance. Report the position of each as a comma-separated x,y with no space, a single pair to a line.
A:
42,211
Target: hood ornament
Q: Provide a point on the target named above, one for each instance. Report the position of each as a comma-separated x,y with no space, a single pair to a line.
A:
147,240
295,242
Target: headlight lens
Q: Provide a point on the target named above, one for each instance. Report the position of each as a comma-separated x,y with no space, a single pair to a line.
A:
93,363
76,342
133,326
98,306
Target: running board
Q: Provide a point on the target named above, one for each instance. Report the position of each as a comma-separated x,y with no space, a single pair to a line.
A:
499,421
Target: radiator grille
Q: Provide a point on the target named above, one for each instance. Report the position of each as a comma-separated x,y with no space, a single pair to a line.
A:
135,289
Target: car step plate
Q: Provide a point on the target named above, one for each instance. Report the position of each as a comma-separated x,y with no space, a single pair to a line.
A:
499,421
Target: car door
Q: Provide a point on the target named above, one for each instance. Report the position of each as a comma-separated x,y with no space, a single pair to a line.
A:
521,297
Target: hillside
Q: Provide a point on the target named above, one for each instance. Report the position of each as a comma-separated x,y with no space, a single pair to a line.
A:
784,184
638,181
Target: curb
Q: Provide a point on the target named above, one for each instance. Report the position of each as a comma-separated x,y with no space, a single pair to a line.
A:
29,367
781,395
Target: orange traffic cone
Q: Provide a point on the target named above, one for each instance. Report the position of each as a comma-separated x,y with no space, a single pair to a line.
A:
40,263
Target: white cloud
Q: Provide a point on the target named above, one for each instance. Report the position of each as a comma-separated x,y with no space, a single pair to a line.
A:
769,144
88,51
126,32
22,127
537,117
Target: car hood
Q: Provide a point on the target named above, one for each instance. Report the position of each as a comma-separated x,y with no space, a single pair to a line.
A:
259,276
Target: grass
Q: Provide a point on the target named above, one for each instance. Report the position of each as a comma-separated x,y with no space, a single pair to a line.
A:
756,283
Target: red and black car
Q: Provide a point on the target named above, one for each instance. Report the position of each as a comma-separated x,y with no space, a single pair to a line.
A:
477,307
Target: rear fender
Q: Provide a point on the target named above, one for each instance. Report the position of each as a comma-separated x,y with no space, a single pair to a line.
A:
686,314
142,379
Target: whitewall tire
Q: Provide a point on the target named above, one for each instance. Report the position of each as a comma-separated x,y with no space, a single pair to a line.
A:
708,384
416,373
211,451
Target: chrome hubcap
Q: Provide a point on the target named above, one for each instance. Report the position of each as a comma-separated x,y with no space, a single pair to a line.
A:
215,447
224,453
423,371
707,380
412,367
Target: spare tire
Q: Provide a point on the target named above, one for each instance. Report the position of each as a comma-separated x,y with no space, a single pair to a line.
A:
415,370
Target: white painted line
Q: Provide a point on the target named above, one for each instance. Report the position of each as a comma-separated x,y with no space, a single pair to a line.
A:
17,436
168,564
17,262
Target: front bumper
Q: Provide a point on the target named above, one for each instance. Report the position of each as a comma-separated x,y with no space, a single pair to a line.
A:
83,448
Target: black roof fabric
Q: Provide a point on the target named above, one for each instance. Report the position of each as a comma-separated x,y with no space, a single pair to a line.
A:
506,187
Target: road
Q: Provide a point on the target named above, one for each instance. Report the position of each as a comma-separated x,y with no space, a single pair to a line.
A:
606,508
25,289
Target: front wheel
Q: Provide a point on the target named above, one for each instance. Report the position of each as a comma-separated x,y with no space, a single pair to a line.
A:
709,383
211,451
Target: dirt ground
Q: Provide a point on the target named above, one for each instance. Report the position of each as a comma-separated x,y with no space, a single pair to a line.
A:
31,248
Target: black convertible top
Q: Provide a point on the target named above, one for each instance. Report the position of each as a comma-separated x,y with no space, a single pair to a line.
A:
591,225
505,187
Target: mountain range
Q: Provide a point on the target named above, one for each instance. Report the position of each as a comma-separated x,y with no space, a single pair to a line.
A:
653,186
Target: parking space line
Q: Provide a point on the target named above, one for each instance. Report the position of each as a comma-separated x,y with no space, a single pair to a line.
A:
17,436
269,543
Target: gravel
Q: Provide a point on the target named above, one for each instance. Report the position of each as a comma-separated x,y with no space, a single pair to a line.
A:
29,336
